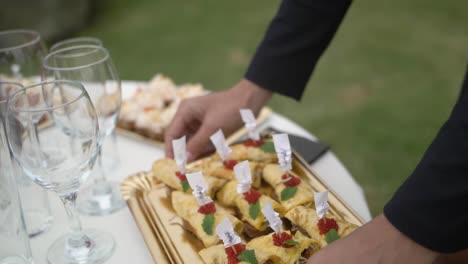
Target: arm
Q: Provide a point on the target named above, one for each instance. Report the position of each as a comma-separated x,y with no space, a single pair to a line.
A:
294,42
296,38
431,206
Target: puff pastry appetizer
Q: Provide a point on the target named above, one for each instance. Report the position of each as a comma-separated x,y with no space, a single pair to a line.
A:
217,168
247,207
166,171
306,219
290,190
185,206
219,255
254,150
283,248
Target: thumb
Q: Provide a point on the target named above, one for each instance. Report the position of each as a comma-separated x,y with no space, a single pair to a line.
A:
200,143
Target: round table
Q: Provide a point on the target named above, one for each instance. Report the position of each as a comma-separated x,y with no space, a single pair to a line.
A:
138,156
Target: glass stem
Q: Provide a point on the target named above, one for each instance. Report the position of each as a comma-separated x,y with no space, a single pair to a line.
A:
78,243
101,177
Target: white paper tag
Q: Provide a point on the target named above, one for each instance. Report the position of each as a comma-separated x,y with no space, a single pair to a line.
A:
226,232
244,177
283,151
178,147
198,184
250,123
273,217
219,141
321,203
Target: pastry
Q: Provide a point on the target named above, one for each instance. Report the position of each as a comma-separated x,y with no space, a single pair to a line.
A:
284,247
185,206
290,190
166,171
217,255
306,219
246,205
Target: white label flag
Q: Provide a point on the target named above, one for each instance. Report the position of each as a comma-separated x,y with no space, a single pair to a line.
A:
198,184
178,146
283,151
219,141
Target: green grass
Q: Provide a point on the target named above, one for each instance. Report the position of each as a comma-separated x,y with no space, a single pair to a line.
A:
378,96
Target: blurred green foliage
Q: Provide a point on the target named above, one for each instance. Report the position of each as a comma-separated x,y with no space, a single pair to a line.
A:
378,96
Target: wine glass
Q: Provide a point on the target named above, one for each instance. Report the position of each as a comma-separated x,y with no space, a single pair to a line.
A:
21,52
58,154
109,149
93,67
78,41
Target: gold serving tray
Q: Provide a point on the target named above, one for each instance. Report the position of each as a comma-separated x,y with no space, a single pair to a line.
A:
162,230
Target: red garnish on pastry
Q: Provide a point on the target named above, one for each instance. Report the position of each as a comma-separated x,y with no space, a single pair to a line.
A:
181,176
253,143
279,240
293,181
325,224
229,164
233,252
208,208
252,196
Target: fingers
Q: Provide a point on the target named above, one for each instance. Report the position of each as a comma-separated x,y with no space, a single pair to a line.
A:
200,143
179,126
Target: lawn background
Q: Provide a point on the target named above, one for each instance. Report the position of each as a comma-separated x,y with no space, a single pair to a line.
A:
378,96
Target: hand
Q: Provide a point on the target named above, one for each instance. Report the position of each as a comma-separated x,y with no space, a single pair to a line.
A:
200,117
376,242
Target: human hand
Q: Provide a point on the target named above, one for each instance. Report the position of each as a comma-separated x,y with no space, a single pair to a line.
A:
198,118
376,242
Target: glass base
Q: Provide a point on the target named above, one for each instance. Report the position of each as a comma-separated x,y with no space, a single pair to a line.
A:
37,221
100,199
15,260
99,250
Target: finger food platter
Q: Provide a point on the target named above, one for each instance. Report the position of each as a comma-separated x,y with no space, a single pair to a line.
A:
166,234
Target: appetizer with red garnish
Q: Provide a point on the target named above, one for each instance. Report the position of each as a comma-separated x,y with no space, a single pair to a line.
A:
247,201
167,171
319,224
235,251
290,190
281,246
199,212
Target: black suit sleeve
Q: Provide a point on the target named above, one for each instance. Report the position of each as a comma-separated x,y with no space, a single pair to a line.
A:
431,207
295,40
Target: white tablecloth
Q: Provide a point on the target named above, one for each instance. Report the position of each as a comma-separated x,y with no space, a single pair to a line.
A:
137,156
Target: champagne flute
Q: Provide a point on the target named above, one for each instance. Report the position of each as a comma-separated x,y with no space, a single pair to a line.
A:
93,67
109,149
21,52
59,155
78,41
